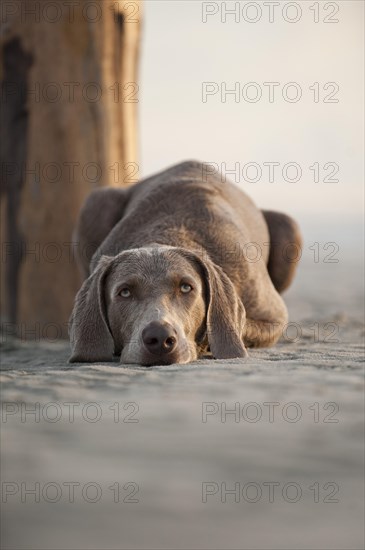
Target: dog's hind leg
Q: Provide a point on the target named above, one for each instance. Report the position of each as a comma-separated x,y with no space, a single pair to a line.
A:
100,212
285,248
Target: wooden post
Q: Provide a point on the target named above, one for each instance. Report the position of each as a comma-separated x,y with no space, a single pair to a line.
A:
69,98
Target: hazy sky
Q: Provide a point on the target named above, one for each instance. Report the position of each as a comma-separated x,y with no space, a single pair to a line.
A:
180,53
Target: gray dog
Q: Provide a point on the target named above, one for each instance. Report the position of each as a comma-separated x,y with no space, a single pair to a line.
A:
182,265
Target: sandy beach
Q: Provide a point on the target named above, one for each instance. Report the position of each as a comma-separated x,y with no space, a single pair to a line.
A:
262,453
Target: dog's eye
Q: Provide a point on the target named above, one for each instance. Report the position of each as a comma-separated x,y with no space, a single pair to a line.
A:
125,293
185,288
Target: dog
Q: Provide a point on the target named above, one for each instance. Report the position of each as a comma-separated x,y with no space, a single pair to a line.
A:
179,265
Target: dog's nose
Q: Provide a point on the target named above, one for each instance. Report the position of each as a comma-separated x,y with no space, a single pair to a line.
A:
159,339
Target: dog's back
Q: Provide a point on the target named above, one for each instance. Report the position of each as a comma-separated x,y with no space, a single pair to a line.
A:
186,206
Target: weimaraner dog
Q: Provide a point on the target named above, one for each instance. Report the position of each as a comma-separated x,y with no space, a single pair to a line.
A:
183,264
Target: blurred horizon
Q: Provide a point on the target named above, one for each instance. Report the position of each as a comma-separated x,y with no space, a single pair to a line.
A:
180,52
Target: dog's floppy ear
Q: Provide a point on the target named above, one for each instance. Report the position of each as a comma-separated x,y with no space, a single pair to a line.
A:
225,312
90,336
226,315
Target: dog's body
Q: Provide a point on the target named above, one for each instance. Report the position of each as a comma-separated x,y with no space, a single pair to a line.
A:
183,224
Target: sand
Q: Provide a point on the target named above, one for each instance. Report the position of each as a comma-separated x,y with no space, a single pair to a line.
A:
157,459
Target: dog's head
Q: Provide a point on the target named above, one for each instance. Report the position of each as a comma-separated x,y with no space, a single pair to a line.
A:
156,305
